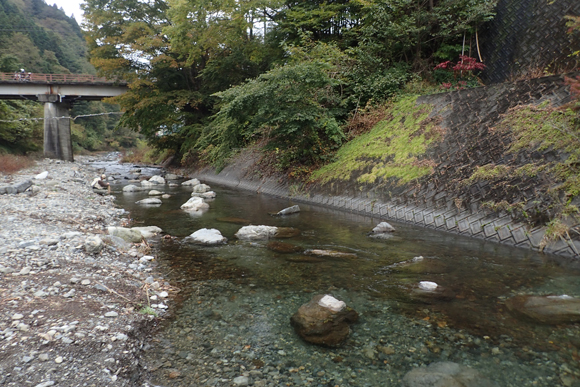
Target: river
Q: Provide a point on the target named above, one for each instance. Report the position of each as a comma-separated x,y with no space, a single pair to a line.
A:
237,299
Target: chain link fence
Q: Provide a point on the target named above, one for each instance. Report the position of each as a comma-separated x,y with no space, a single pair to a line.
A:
528,38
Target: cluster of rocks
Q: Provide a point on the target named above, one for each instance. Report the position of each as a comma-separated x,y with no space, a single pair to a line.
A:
72,293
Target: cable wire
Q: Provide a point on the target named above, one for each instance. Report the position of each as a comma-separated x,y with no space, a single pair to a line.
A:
63,117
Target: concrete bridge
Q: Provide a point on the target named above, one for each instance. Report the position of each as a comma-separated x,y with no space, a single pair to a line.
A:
58,92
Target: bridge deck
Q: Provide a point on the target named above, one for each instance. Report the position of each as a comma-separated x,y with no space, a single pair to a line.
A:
56,78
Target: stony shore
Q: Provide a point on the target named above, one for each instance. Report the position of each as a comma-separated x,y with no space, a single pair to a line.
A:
69,317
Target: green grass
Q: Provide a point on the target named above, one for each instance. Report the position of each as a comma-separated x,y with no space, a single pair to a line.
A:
392,148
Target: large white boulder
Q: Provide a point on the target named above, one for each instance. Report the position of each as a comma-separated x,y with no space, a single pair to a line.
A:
132,188
208,236
256,232
201,188
192,182
195,204
124,233
205,195
157,180
148,184
383,227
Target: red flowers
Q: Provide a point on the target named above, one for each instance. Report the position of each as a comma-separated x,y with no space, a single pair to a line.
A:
466,63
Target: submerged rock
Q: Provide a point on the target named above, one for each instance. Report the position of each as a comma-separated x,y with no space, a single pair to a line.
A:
132,188
445,374
283,247
287,211
195,204
207,236
546,309
154,192
148,232
256,232
157,180
427,292
233,220
126,234
191,183
286,232
330,253
150,201
324,320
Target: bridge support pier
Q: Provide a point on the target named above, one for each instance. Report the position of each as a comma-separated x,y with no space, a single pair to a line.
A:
57,134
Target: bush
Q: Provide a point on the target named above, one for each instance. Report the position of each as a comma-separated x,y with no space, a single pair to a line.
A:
13,163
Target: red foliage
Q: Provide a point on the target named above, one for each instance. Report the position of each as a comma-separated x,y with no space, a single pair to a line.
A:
574,84
466,63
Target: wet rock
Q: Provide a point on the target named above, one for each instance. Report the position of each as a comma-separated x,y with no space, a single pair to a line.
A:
330,254
207,236
204,195
195,204
420,265
147,184
150,201
154,192
304,259
172,176
286,232
256,232
427,292
127,234
93,244
191,183
233,220
382,228
546,309
132,188
283,248
445,374
148,232
201,188
157,180
287,211
324,323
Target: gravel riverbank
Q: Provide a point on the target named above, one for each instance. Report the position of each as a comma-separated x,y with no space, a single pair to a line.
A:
69,317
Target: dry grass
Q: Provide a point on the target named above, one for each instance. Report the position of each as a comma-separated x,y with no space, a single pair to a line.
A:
12,163
364,120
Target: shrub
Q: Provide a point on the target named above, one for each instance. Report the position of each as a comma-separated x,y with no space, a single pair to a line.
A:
13,163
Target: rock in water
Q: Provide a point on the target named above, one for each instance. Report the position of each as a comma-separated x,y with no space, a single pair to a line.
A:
195,204
286,232
154,192
172,176
288,211
283,248
324,324
192,182
256,232
445,374
429,292
127,234
157,180
147,232
132,188
93,244
546,309
208,236
329,254
201,188
150,201
382,228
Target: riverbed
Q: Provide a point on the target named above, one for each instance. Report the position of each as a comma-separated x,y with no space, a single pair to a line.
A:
232,323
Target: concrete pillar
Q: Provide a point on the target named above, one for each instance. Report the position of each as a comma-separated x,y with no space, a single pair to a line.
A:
57,135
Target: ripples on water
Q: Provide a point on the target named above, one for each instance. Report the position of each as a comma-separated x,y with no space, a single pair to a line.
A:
254,291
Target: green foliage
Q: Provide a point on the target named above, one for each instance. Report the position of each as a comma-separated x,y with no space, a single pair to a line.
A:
393,149
293,109
22,135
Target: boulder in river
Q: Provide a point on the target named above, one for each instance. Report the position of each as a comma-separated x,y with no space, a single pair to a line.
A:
256,232
150,201
551,310
126,234
204,195
286,232
428,292
132,188
195,204
207,236
201,188
191,183
147,184
329,254
445,374
172,176
154,192
287,211
157,180
148,231
283,247
233,220
324,320
382,230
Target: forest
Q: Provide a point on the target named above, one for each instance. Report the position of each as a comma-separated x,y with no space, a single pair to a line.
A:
295,78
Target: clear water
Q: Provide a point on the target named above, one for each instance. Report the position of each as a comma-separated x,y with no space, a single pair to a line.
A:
253,291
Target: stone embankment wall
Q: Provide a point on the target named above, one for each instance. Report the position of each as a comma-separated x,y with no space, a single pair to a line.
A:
449,199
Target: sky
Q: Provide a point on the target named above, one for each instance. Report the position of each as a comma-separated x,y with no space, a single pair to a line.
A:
70,7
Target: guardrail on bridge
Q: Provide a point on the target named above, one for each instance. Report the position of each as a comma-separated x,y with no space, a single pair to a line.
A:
53,78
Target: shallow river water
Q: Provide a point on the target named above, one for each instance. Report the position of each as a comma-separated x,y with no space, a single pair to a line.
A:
236,301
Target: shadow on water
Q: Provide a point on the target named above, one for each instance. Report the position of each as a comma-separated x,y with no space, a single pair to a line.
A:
477,275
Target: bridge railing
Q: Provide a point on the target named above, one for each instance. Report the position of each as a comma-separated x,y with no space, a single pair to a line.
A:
52,78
